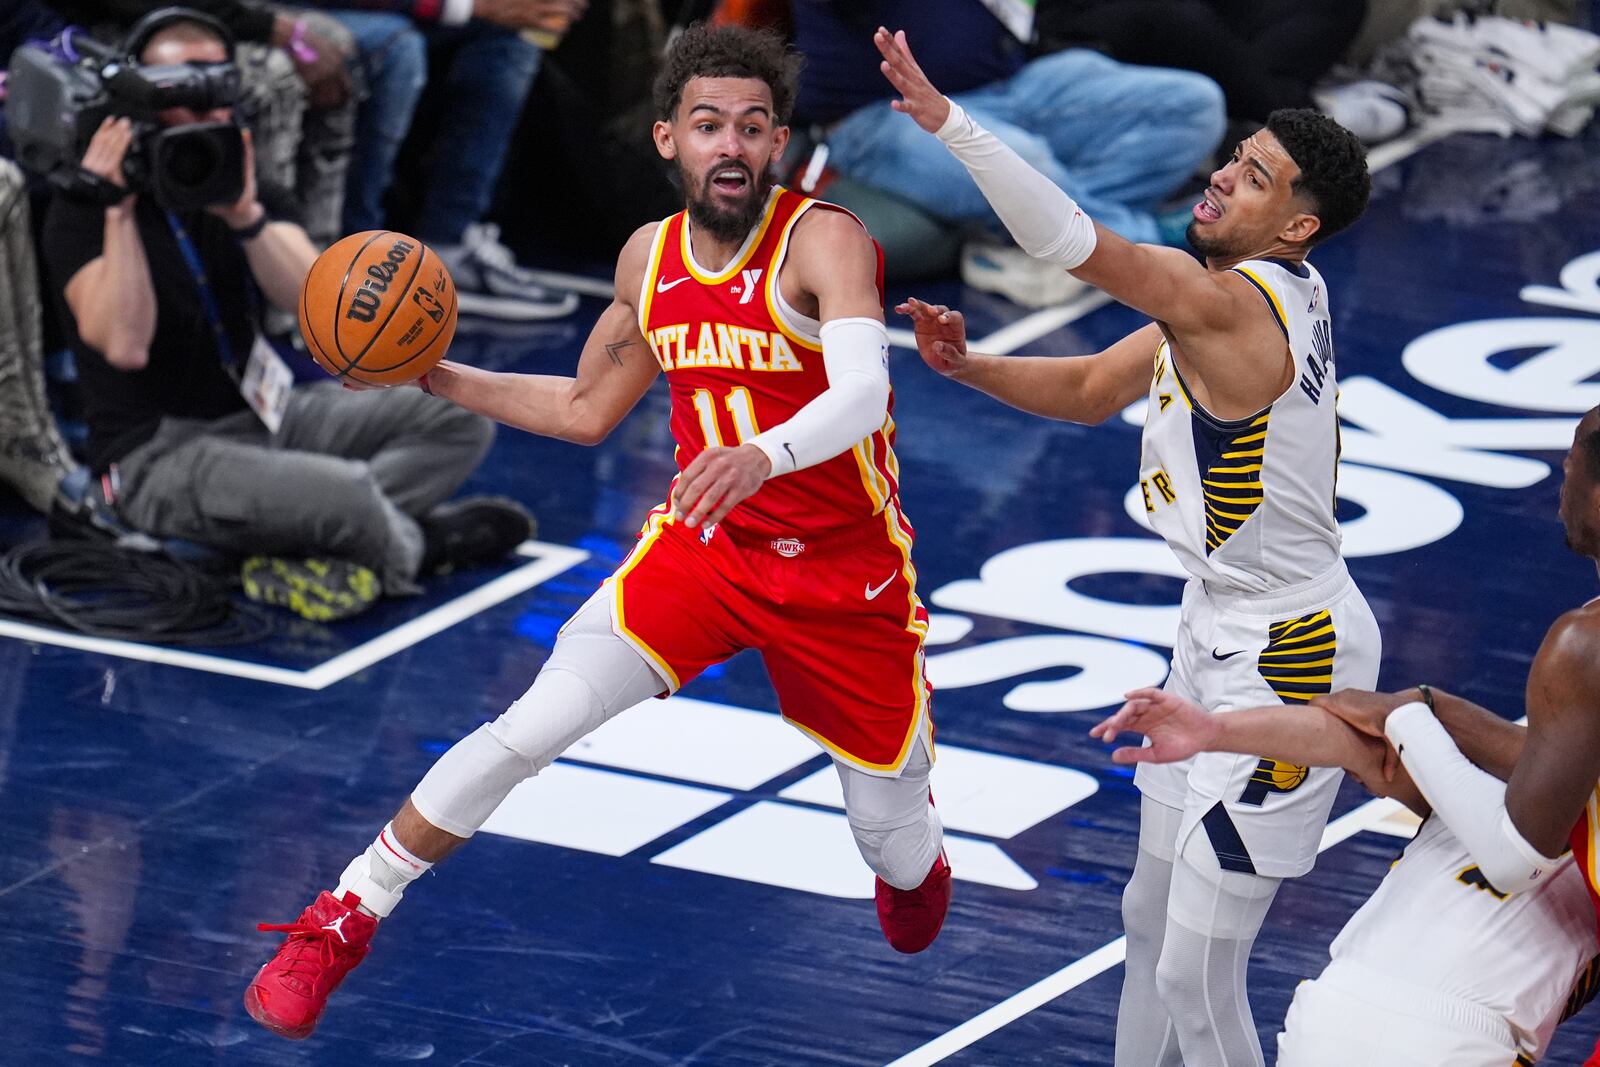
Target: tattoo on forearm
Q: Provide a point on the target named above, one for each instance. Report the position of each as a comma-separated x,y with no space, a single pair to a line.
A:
614,350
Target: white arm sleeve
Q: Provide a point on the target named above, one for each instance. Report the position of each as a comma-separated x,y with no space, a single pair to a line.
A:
1471,801
855,354
1042,218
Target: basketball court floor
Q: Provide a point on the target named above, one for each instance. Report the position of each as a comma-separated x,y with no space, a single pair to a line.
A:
682,888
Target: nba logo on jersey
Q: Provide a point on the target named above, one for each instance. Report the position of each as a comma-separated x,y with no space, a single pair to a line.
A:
1316,295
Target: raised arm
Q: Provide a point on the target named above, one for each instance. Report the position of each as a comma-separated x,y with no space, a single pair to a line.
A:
112,298
280,253
1164,283
615,370
1231,347
1084,389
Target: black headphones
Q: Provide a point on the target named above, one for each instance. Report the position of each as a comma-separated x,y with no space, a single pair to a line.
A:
135,40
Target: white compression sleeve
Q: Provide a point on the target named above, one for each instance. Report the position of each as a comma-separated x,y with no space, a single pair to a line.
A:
1044,221
1471,801
855,353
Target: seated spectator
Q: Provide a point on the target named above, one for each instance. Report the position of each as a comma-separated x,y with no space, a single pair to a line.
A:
355,476
481,56
1117,138
1266,54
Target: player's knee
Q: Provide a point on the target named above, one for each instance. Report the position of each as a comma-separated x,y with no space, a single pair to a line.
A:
557,710
1144,909
1177,983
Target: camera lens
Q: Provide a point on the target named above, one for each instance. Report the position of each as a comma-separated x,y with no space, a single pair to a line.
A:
192,161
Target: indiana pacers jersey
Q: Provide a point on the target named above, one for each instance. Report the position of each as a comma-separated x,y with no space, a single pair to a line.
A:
1248,505
739,360
1435,924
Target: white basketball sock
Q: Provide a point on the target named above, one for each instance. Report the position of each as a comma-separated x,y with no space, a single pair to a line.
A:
380,875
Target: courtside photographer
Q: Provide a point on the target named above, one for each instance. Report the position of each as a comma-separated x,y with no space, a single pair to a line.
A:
163,254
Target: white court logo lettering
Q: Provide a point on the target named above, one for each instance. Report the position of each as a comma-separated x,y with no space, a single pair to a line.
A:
639,778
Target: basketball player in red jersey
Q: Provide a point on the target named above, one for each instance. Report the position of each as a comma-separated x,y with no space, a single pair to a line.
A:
782,532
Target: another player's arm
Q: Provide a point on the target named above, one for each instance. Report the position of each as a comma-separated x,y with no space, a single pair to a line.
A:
1086,389
833,261
1307,736
615,370
1559,764
1216,315
1516,829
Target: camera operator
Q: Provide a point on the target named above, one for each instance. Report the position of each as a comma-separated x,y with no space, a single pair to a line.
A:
163,309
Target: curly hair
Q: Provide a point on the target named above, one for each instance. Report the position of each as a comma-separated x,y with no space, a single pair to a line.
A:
704,51
1333,166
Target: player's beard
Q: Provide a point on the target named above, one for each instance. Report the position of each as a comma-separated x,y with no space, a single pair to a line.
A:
725,224
1208,246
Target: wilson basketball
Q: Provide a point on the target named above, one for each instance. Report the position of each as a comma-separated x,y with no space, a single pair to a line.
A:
378,308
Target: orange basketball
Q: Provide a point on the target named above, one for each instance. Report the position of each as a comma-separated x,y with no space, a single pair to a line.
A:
378,308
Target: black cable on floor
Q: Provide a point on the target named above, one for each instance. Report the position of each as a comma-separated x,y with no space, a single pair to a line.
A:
96,588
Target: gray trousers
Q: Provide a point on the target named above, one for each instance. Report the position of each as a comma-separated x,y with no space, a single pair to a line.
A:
33,458
346,476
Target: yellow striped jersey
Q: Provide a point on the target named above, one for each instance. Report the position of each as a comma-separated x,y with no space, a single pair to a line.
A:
1248,505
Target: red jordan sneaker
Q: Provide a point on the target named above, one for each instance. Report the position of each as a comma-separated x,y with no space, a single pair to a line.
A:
911,918
324,945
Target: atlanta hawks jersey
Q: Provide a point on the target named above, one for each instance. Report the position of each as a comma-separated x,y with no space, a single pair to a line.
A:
1435,922
1248,505
740,360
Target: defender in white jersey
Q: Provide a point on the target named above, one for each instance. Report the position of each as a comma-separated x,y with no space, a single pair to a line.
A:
1439,966
1238,473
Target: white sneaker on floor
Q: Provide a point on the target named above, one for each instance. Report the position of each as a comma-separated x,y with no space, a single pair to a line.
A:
1372,110
489,281
1017,276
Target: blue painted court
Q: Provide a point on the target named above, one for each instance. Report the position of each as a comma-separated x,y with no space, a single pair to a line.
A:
682,889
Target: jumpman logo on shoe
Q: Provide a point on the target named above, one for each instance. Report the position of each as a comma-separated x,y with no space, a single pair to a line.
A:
335,927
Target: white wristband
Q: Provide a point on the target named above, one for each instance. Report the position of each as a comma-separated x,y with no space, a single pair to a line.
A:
455,12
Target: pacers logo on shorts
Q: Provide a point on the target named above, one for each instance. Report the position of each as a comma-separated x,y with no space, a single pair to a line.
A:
1272,776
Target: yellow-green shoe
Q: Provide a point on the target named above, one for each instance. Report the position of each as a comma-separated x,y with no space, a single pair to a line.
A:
322,590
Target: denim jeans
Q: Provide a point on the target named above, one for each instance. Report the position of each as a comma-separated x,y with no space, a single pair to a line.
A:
1116,137
486,72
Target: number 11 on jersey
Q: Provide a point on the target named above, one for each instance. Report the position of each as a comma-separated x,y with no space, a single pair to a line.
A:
740,408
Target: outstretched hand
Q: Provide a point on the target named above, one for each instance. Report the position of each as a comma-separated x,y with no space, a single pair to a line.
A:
918,97
941,335
1177,728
